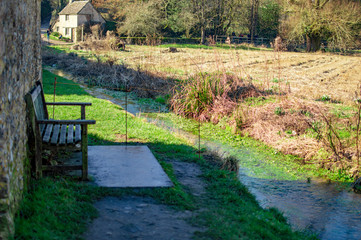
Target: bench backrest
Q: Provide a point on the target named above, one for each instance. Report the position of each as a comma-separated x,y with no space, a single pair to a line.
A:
37,96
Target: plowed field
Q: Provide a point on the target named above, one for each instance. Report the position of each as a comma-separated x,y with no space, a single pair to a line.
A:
308,75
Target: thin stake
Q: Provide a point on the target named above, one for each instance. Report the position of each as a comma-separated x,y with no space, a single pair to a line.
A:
199,131
126,113
54,96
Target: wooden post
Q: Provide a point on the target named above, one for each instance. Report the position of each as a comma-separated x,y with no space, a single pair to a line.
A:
35,138
82,33
54,96
84,146
84,150
82,112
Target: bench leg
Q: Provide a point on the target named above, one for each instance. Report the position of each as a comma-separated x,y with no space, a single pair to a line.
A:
38,160
84,150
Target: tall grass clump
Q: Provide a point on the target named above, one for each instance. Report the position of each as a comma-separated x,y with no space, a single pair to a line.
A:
211,96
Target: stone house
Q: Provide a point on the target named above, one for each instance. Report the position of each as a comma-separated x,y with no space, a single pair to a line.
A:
73,18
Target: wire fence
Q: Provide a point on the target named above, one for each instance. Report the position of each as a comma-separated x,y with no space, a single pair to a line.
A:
126,89
217,39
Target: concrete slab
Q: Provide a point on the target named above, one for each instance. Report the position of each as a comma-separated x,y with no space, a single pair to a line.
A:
126,166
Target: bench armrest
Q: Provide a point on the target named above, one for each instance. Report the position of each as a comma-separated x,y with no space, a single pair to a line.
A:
69,103
81,122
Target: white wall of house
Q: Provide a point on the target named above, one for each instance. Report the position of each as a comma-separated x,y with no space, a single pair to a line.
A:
69,20
65,25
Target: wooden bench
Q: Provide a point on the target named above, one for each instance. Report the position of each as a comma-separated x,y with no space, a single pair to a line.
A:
45,133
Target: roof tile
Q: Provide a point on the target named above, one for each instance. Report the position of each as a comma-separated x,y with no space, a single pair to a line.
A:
73,8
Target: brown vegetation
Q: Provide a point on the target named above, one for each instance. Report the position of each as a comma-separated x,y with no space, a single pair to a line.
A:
96,42
291,125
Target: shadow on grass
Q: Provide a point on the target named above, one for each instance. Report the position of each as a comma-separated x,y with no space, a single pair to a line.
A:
99,70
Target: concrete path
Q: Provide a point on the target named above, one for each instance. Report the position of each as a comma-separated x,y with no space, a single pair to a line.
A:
138,218
126,166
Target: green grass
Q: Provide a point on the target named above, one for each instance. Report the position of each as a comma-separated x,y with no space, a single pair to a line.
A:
261,160
56,37
60,208
55,209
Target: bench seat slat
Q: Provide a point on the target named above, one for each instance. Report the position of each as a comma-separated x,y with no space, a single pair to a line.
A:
55,136
77,133
42,129
47,133
70,134
62,134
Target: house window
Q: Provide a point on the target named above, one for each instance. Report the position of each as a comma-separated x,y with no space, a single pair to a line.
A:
66,31
57,29
66,17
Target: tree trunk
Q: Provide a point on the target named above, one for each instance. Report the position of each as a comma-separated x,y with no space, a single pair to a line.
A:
313,43
202,35
308,44
254,19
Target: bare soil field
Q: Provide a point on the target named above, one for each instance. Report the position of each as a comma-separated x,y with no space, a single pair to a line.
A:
306,75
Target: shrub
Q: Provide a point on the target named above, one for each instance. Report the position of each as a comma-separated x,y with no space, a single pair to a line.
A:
55,34
210,97
279,111
325,98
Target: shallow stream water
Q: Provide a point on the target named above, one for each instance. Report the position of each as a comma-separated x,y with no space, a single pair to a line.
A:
327,209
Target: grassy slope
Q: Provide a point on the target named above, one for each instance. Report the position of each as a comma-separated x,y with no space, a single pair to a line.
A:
59,208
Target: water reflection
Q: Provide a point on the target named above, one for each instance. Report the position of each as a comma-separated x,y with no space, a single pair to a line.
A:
320,207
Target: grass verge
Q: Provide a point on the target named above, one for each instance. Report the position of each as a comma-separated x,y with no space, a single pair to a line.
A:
60,208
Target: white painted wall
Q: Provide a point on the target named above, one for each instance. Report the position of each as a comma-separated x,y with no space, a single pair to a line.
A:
64,24
71,23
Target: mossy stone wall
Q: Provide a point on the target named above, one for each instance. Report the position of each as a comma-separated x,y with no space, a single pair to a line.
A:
20,68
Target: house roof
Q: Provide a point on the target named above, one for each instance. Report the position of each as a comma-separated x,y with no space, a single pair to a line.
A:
73,8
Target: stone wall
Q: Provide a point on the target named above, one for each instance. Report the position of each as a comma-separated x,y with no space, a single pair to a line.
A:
20,68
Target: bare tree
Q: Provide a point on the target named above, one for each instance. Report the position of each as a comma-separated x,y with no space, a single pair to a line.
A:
143,19
253,19
338,22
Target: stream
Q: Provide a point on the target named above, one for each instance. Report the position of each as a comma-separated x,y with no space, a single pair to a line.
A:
327,209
